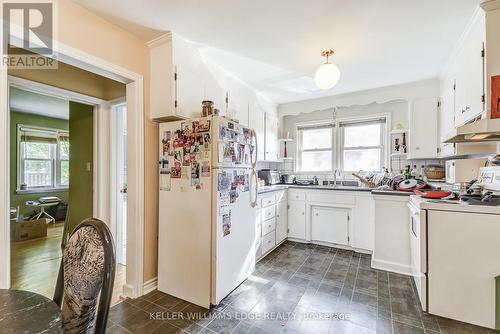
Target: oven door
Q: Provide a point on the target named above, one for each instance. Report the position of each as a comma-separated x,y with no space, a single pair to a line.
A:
418,252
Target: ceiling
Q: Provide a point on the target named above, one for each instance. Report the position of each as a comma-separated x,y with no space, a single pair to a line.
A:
275,45
38,104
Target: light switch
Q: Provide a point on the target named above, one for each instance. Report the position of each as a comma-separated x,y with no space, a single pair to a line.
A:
89,167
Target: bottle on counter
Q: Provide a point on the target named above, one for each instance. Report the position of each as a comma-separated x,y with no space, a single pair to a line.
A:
414,172
407,172
422,172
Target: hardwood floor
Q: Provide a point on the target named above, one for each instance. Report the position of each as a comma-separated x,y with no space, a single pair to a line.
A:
35,264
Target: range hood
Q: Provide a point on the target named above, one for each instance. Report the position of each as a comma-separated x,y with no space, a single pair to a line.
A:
481,130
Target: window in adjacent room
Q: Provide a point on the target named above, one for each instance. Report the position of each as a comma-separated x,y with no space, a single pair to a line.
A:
315,150
43,158
362,145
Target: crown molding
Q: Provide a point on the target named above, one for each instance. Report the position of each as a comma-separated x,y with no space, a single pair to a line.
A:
489,5
167,37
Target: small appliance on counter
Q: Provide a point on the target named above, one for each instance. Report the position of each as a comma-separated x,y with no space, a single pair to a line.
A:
269,176
288,179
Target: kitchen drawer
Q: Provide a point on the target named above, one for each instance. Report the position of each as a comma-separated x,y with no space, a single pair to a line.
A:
296,195
268,242
267,200
268,226
268,212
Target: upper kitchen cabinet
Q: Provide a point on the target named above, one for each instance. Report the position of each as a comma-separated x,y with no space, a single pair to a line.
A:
180,81
423,141
470,76
271,137
256,121
463,84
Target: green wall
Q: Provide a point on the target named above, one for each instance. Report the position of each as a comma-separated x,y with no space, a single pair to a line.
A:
37,120
80,202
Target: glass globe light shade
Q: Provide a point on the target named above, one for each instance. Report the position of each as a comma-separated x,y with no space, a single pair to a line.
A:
327,76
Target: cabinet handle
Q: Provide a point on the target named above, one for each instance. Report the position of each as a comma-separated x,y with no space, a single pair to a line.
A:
302,213
296,196
317,214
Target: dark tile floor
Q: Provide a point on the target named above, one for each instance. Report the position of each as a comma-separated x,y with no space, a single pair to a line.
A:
300,289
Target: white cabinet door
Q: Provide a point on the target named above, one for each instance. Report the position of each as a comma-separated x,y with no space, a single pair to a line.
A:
271,138
281,221
364,223
423,129
297,220
470,74
447,116
257,123
329,224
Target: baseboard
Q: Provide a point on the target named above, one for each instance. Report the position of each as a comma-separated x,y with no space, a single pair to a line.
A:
150,285
391,266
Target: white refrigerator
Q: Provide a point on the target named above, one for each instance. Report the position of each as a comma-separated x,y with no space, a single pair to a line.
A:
207,194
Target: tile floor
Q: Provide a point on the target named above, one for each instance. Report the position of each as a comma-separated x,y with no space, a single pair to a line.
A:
300,289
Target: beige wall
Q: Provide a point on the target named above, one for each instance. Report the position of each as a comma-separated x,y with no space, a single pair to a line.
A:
88,32
74,79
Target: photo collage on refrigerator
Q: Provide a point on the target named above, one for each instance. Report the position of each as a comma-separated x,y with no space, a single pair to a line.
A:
235,146
185,154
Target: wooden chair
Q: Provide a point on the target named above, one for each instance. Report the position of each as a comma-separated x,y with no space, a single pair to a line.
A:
86,275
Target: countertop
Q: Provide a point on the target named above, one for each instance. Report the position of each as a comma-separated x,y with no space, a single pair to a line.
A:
455,206
266,189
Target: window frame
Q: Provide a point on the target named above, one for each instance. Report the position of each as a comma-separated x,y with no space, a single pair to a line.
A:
322,124
55,160
337,140
382,146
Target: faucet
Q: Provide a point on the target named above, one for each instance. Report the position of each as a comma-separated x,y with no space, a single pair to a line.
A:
315,180
335,172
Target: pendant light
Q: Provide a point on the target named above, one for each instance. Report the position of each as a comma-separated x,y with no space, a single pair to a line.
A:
328,74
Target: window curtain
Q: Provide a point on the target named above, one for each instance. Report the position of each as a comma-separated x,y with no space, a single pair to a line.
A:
361,123
32,135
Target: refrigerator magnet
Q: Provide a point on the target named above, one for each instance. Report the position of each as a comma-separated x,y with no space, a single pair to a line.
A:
230,125
205,126
165,182
177,156
226,224
205,169
196,126
222,132
175,172
233,196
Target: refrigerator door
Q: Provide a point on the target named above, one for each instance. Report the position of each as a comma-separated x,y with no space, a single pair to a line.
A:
233,250
234,145
185,205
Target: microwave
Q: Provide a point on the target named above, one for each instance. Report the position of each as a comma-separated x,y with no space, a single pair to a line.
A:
464,170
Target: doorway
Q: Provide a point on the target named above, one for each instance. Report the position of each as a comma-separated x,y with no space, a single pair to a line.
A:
119,179
135,180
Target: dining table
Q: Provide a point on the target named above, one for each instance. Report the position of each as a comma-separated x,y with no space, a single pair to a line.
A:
28,312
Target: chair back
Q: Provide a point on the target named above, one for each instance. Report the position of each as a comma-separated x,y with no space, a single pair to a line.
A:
87,273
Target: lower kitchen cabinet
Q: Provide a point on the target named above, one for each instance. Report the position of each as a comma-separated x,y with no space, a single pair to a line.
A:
281,221
258,234
330,224
297,220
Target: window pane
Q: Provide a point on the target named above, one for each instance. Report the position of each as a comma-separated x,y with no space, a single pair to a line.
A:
368,160
316,161
37,150
316,138
37,173
363,135
64,181
64,150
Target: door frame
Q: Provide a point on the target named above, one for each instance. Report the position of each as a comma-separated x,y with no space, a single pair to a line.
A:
134,286
113,169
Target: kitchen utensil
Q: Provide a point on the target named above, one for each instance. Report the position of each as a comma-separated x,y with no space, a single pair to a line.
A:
461,188
433,194
411,184
364,180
